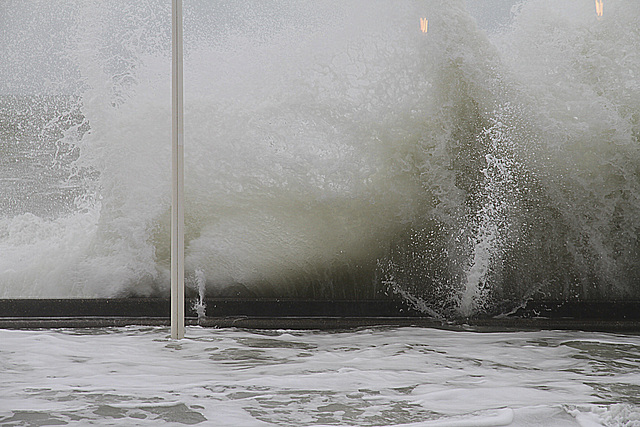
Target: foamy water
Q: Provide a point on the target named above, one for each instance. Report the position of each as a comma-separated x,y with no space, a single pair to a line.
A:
371,377
332,150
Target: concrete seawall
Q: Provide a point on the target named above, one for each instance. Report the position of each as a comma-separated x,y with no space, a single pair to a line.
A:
614,316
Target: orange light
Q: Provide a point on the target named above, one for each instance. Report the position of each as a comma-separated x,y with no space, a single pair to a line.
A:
424,24
600,8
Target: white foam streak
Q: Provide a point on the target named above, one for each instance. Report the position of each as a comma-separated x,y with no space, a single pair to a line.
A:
406,376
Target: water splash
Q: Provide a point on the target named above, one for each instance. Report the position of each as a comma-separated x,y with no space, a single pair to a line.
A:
478,168
494,225
200,306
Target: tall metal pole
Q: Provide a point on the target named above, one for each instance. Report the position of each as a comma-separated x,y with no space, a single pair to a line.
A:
177,174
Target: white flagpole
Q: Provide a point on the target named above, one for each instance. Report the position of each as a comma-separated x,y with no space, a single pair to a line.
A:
177,173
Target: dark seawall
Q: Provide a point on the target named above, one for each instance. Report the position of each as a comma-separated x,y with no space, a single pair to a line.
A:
613,316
